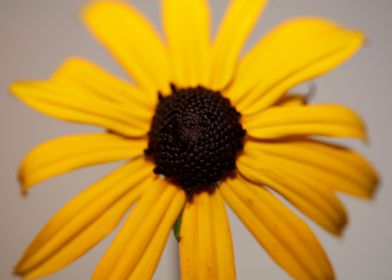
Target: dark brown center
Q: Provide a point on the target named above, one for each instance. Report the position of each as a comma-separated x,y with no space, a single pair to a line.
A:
195,137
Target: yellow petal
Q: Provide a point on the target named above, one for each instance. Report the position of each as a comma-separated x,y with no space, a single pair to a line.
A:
324,120
149,261
292,100
336,167
187,26
73,103
91,77
294,52
284,235
135,252
68,153
315,200
132,40
85,220
206,250
231,38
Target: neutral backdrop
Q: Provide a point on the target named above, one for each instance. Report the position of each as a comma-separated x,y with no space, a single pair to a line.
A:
35,36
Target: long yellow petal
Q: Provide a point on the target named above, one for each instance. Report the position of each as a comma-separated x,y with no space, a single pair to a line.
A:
231,38
73,103
296,51
187,28
324,120
149,261
132,40
336,167
85,220
68,153
284,235
206,249
222,239
91,77
315,200
140,242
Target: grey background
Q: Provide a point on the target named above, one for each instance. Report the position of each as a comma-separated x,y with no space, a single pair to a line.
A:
35,36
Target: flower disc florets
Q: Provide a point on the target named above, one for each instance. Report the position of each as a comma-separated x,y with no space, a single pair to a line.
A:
195,137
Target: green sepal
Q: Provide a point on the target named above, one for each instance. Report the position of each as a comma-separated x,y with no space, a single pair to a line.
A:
177,227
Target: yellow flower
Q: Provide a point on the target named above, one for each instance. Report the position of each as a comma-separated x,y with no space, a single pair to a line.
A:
199,126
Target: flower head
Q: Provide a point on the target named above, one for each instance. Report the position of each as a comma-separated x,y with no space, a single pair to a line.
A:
200,125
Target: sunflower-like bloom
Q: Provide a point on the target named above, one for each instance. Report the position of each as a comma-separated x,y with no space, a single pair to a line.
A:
198,126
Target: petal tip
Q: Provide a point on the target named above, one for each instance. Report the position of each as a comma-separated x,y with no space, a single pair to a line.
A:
24,187
339,233
24,192
65,65
94,6
18,269
15,87
15,273
371,195
358,39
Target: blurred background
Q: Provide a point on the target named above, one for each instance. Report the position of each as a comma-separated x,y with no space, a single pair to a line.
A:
36,36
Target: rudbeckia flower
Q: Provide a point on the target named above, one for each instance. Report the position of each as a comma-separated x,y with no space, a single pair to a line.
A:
198,126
